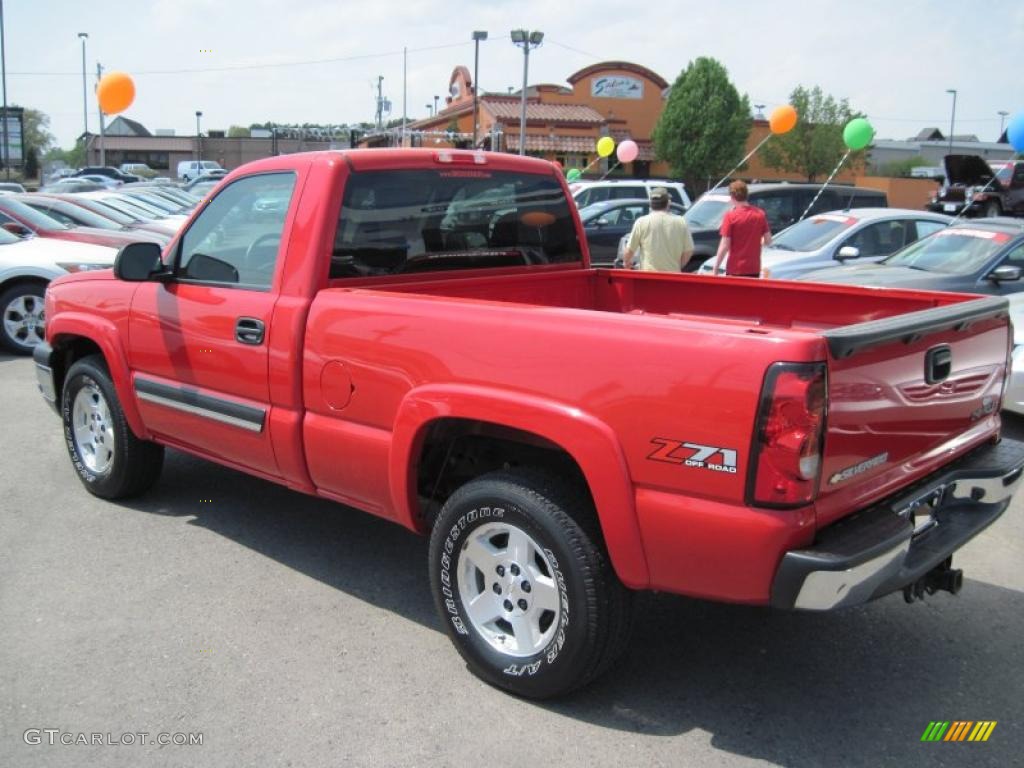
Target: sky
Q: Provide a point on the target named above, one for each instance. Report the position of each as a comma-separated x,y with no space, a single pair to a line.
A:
317,61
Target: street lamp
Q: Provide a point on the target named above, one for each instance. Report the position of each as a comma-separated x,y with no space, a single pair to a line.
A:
435,104
526,40
477,37
83,36
199,143
952,119
430,109
1002,118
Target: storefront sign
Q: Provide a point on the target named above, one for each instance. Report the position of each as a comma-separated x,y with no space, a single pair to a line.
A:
617,87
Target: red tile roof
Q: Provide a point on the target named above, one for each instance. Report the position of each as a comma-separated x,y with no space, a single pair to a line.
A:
553,113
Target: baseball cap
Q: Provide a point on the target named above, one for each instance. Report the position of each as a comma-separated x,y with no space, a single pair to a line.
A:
659,194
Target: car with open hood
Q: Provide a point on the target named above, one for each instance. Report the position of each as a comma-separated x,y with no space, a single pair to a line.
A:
977,187
982,256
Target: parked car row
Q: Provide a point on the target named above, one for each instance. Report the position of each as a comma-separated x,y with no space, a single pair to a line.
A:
68,228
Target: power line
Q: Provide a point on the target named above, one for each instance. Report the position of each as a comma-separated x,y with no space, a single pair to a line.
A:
237,67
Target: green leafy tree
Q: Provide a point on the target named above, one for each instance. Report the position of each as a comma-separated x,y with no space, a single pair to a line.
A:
238,132
704,126
31,168
815,145
37,131
903,167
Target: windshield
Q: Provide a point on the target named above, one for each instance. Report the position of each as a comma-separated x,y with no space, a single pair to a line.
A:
136,206
456,218
708,212
35,219
6,238
70,214
951,251
106,211
210,164
811,234
156,201
1004,174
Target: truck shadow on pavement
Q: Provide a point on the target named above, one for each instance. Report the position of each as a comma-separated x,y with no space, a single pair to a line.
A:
853,688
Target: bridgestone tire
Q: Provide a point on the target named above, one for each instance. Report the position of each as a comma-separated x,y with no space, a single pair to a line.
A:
594,609
132,465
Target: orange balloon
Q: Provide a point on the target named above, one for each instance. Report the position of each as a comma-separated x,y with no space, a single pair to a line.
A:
115,92
782,119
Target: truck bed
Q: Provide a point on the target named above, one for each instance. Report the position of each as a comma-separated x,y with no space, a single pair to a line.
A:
750,305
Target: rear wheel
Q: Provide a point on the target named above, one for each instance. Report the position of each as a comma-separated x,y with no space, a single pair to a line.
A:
523,585
23,318
992,208
110,460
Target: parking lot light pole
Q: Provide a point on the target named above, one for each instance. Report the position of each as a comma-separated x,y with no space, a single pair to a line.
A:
199,143
477,37
83,36
952,119
526,40
1002,119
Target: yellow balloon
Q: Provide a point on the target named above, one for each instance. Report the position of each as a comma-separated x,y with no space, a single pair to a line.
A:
605,146
783,119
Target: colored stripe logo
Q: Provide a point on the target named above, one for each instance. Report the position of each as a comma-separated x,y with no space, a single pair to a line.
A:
959,730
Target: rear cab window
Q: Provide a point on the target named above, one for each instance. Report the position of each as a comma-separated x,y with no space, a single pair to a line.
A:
405,221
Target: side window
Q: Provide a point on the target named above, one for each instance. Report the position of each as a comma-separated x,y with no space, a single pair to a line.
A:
626,193
1018,178
236,238
599,195
1014,258
673,193
584,199
879,239
828,200
630,214
925,228
61,217
780,209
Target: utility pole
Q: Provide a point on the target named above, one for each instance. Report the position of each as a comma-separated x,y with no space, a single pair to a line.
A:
1002,119
952,119
477,37
83,36
3,76
103,124
405,92
380,102
525,40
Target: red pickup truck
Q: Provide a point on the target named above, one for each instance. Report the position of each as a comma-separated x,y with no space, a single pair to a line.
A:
418,334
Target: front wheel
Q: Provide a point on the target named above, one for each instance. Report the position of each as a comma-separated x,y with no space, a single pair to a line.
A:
992,209
526,592
23,318
110,460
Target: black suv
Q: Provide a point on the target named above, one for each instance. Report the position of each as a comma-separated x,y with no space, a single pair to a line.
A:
784,204
109,172
971,189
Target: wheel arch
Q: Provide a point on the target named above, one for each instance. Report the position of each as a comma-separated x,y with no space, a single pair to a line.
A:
541,424
72,337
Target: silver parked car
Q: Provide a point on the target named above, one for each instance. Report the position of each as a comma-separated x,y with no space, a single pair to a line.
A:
856,236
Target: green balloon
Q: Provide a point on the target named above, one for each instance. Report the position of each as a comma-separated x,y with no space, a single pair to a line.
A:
573,174
858,133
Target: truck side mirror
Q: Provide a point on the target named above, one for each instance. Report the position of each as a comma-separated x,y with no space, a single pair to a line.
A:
1005,273
138,262
848,252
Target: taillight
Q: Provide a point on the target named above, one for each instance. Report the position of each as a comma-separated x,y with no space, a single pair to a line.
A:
785,459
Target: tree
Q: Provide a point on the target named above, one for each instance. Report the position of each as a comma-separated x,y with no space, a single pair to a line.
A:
704,126
31,168
815,145
238,132
37,134
903,167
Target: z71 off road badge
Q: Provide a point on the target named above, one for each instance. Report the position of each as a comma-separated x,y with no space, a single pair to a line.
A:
694,455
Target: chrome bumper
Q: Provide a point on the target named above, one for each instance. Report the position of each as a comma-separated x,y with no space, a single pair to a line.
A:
893,544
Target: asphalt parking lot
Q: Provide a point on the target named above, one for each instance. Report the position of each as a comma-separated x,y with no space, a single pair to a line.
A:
292,631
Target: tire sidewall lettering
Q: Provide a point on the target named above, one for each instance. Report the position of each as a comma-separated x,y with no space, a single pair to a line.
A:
452,601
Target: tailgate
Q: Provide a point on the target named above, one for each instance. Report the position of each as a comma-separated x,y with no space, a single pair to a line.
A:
906,395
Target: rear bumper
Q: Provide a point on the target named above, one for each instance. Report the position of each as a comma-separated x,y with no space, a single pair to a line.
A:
42,355
880,550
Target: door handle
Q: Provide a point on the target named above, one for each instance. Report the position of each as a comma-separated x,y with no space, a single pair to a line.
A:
249,330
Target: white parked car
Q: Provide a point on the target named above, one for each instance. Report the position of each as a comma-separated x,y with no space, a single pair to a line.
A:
1014,399
855,236
191,169
26,266
590,192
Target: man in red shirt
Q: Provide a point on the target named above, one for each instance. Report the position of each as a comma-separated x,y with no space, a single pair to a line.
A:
744,229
